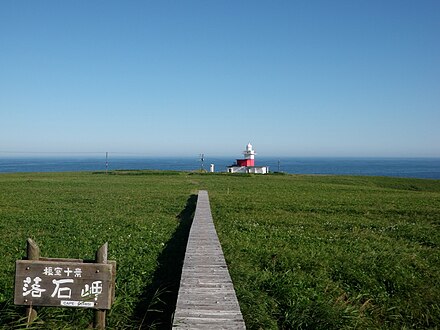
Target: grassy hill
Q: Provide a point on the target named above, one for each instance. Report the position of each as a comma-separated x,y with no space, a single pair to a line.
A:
317,252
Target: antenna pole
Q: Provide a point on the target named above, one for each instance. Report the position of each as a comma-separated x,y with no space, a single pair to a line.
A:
106,163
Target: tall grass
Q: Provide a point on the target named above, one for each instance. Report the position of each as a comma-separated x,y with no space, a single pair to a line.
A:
306,252
70,215
317,252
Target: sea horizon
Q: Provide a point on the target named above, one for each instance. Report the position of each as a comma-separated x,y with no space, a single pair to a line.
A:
413,167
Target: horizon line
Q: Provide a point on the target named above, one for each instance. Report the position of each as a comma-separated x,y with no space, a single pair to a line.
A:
9,154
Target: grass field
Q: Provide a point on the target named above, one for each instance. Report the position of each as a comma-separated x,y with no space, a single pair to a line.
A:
306,252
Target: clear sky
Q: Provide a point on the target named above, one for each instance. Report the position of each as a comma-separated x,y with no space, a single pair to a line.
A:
165,78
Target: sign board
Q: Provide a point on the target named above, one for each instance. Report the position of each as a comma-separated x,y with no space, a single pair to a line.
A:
64,284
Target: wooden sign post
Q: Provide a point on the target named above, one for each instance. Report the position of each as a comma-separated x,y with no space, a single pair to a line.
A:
65,283
101,257
33,253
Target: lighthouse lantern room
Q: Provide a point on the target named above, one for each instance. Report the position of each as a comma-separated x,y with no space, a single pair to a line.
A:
247,165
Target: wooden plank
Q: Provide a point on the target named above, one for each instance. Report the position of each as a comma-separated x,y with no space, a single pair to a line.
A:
206,298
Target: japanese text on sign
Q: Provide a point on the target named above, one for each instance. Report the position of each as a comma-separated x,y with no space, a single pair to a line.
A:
46,283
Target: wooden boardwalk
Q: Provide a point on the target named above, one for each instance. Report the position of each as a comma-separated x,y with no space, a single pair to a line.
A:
206,298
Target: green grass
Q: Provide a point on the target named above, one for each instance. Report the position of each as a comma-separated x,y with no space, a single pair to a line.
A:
306,252
317,252
71,214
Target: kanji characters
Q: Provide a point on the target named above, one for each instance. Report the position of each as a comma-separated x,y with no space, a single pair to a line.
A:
95,289
35,290
62,292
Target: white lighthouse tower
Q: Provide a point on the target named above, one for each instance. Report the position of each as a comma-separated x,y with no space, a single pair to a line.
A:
249,155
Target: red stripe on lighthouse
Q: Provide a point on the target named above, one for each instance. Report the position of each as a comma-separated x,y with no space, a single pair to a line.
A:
245,162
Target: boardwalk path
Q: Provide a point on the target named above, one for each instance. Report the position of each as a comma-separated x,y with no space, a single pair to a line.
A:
206,298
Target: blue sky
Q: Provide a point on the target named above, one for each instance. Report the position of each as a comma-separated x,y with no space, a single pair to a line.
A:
179,78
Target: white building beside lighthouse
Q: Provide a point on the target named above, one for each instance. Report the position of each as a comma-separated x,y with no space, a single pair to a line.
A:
247,164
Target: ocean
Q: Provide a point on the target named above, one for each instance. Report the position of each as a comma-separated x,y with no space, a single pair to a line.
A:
426,168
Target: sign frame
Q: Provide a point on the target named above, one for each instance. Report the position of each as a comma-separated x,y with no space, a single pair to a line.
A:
64,284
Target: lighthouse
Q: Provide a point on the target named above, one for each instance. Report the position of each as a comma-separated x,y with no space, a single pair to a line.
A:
249,157
247,164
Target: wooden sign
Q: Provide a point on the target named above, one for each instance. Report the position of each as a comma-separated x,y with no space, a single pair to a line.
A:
64,284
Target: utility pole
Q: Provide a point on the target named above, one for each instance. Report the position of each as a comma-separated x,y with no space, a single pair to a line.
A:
202,159
279,165
106,163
